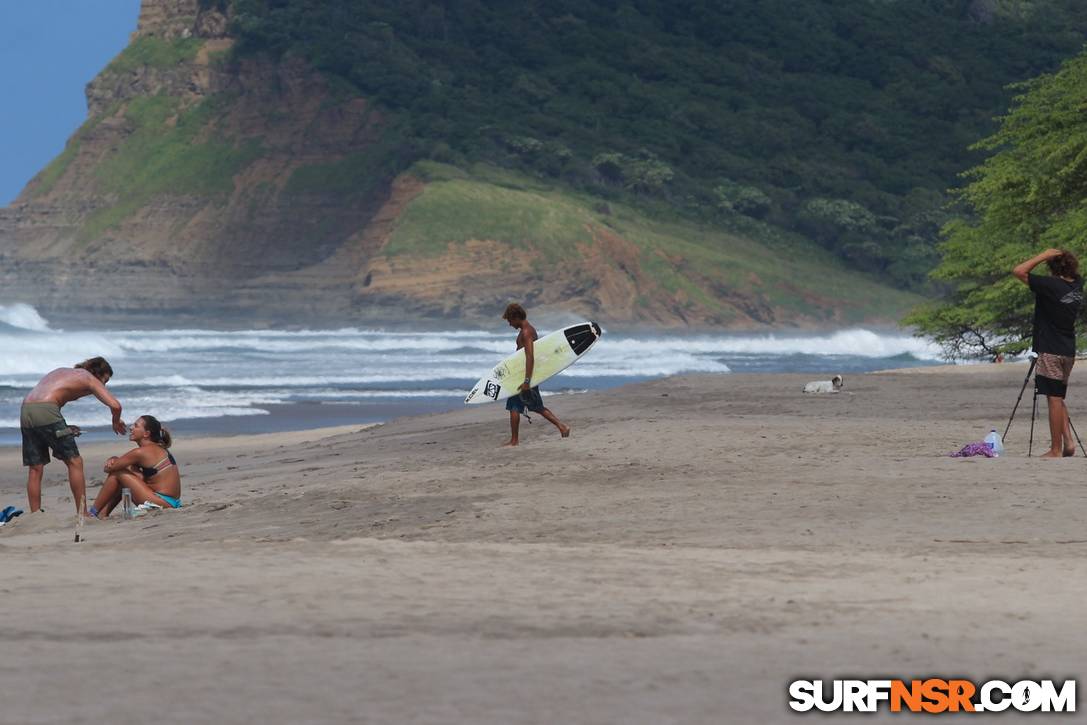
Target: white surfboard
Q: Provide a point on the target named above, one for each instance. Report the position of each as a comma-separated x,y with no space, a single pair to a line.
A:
552,354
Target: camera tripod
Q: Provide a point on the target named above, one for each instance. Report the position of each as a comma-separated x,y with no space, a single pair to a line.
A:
1034,411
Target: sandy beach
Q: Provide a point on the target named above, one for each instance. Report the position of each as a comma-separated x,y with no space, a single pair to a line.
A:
698,543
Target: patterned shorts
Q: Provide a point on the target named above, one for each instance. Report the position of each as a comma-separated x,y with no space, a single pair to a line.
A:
1054,367
1051,374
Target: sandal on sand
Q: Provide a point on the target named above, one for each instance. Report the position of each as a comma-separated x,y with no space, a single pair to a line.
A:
145,508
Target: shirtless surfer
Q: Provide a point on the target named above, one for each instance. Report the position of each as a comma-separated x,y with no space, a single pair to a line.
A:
45,429
529,397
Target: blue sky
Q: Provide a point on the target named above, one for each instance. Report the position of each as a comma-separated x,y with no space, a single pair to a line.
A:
49,49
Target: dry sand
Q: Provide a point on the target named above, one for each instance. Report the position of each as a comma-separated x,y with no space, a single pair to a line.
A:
697,544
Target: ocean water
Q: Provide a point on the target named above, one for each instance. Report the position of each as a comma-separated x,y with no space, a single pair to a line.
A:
251,381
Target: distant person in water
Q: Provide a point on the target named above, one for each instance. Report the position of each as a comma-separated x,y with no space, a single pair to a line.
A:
149,471
529,397
44,428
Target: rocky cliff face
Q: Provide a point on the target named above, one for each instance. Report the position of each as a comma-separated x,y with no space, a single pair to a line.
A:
97,234
209,190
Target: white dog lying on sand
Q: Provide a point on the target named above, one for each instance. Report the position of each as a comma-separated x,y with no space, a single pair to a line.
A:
825,386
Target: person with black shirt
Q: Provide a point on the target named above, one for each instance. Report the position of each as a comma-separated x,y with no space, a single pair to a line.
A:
1057,299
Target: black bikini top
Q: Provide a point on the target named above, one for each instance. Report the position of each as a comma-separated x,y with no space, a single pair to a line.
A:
152,471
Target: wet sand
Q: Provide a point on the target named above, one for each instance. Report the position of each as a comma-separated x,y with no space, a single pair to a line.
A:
696,544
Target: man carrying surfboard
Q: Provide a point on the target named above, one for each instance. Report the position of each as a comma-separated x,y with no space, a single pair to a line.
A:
529,397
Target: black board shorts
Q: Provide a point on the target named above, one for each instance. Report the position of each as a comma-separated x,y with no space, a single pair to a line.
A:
530,399
1050,387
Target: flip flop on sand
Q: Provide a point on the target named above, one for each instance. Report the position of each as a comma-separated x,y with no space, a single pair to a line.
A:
145,508
9,513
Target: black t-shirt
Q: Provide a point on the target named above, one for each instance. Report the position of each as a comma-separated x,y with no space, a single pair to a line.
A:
1056,304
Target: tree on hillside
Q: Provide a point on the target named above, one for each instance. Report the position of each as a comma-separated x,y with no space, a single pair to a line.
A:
849,117
1029,194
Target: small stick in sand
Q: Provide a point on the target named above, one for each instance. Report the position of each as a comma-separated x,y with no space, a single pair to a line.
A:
79,521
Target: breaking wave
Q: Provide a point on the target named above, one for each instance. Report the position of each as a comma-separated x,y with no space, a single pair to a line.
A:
192,373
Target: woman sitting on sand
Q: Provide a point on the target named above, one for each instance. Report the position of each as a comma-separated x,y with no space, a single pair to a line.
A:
148,470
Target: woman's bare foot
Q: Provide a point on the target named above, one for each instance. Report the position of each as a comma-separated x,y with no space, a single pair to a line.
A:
509,444
564,431
1051,454
1070,452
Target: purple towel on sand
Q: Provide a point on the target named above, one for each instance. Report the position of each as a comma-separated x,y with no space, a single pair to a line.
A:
974,449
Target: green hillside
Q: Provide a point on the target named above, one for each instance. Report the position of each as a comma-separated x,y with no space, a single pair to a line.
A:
845,121
711,275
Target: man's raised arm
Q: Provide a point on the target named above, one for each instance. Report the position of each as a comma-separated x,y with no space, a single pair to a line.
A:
1022,270
100,392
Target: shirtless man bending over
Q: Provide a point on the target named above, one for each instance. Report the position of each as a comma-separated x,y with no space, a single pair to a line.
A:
45,429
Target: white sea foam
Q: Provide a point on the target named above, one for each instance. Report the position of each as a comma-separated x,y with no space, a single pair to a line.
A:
308,340
288,379
332,393
173,404
857,342
452,348
35,353
91,419
24,317
193,373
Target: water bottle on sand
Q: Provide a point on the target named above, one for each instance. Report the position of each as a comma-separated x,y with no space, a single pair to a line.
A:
993,441
127,510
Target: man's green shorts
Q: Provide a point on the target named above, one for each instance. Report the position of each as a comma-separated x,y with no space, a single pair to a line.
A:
45,429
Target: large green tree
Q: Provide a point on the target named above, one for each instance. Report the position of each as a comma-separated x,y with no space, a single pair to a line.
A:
1029,194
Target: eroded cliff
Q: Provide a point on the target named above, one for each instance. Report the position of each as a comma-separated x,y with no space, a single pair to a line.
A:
208,187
